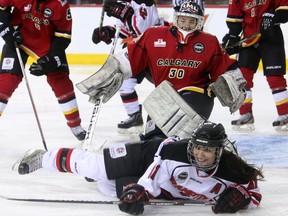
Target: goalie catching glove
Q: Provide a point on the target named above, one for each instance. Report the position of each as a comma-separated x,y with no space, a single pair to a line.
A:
133,199
118,9
233,199
229,89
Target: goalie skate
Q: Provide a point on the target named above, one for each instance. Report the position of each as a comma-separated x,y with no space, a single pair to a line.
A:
281,123
244,123
30,162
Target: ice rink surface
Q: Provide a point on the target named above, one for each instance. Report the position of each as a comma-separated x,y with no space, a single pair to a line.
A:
19,133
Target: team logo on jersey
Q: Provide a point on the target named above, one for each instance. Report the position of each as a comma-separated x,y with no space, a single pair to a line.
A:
27,7
160,43
183,176
198,48
47,12
143,13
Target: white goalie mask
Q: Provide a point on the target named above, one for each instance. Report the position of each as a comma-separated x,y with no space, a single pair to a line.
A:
182,18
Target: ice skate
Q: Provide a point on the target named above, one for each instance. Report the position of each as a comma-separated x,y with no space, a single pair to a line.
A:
244,123
30,162
281,123
79,132
132,125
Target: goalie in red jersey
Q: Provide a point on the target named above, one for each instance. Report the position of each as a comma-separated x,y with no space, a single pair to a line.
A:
42,30
191,60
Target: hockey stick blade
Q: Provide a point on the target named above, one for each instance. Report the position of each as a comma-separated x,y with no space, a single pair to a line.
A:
100,202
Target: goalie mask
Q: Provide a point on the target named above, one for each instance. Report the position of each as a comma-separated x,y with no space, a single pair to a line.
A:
188,18
205,147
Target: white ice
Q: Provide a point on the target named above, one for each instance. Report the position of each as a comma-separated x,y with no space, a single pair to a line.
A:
19,133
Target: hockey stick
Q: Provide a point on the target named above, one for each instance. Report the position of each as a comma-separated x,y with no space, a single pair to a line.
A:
100,202
243,40
89,134
30,94
102,16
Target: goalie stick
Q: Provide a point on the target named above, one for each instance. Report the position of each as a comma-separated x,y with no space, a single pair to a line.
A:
87,145
101,202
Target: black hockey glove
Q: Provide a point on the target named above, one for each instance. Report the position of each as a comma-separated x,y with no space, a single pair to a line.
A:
44,65
232,199
267,25
106,33
229,44
118,9
133,198
10,36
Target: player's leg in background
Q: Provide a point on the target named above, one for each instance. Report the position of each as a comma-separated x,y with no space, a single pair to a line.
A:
10,74
63,89
274,65
248,62
128,94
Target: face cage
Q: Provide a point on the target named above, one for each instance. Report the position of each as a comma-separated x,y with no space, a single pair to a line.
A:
199,25
191,158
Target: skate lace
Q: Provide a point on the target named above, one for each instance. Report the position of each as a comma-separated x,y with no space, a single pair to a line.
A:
128,120
35,163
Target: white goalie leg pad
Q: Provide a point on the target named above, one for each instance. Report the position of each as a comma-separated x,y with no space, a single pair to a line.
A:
229,89
105,82
170,112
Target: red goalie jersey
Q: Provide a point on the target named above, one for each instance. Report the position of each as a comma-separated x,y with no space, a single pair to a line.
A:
197,62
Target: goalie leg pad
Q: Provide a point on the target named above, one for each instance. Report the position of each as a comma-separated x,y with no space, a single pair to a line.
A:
229,89
170,112
105,82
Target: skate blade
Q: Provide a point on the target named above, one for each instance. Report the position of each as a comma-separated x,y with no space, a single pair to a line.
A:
246,127
132,130
281,129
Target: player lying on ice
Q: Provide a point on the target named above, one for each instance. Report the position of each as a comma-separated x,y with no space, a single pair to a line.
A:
198,168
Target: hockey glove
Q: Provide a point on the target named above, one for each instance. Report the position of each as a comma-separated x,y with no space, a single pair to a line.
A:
118,9
133,198
106,33
10,36
267,25
230,44
44,65
232,199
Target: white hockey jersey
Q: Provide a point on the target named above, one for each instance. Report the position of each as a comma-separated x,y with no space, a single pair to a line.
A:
144,17
182,180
